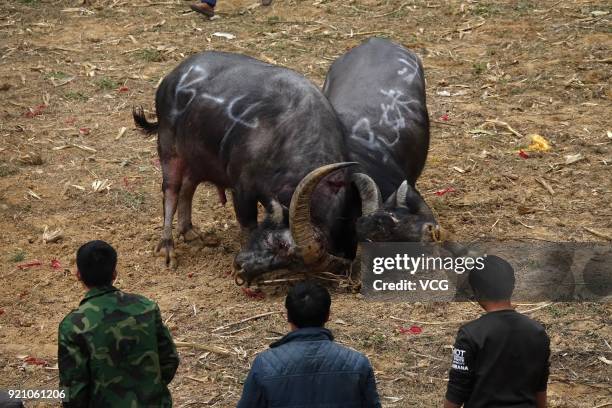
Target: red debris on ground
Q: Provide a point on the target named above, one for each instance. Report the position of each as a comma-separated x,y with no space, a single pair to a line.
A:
253,294
523,154
411,330
444,191
84,131
55,264
1,312
38,110
30,264
70,121
445,117
35,361
123,89
190,275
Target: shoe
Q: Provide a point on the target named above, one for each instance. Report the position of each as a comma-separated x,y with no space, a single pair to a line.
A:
266,2
203,8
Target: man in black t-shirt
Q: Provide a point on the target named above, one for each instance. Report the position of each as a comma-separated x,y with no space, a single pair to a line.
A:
501,359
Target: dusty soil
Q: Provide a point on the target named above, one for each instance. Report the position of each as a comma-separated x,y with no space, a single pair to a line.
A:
542,67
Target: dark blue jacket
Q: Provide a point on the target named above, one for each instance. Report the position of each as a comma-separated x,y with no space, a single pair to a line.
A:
307,369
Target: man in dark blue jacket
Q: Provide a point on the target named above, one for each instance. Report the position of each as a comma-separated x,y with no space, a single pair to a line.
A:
306,368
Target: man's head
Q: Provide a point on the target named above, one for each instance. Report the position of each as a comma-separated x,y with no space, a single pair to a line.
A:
308,305
96,262
494,283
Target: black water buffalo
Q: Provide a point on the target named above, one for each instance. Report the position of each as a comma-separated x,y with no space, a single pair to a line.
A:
378,92
271,137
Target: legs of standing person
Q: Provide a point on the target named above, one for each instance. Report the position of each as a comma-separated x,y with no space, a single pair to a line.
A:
206,7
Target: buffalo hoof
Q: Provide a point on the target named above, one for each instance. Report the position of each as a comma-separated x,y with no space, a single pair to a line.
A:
193,236
165,249
237,273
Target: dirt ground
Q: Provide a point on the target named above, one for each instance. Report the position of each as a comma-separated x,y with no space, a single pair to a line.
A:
69,75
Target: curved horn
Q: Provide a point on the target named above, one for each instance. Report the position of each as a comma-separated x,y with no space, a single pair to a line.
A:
407,197
302,230
400,195
371,199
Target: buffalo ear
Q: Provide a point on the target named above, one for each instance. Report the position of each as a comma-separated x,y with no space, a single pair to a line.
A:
408,197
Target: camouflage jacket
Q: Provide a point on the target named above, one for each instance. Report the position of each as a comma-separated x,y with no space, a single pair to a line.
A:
115,351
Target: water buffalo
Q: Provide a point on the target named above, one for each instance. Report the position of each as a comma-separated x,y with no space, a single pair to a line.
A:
378,92
271,137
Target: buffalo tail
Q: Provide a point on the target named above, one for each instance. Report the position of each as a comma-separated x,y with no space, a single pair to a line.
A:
141,121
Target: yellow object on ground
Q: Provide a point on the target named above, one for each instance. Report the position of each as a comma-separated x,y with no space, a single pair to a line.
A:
538,144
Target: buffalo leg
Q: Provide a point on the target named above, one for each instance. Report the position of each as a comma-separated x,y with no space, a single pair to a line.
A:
246,213
171,186
185,201
187,230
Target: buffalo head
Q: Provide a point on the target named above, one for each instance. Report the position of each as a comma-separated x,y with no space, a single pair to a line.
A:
287,237
404,217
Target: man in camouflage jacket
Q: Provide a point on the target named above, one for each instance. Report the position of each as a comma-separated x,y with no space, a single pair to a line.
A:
114,350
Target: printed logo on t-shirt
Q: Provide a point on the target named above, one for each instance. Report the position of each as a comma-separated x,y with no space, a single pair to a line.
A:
459,360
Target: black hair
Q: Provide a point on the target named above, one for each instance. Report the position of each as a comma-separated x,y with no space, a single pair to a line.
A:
308,305
96,261
493,282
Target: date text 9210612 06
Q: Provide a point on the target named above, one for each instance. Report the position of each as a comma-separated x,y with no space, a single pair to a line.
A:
56,394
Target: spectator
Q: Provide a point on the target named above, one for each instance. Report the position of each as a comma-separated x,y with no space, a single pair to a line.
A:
7,402
306,368
501,359
207,7
114,350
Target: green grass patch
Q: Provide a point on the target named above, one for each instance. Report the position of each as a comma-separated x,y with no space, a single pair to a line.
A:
376,341
57,75
18,256
524,6
130,199
479,67
558,311
485,10
7,169
76,96
516,90
107,84
149,55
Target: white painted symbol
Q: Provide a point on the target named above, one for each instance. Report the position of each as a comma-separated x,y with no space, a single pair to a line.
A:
363,134
215,99
409,71
393,112
362,127
187,85
240,117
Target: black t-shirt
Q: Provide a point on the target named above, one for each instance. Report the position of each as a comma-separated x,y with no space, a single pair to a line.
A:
499,361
